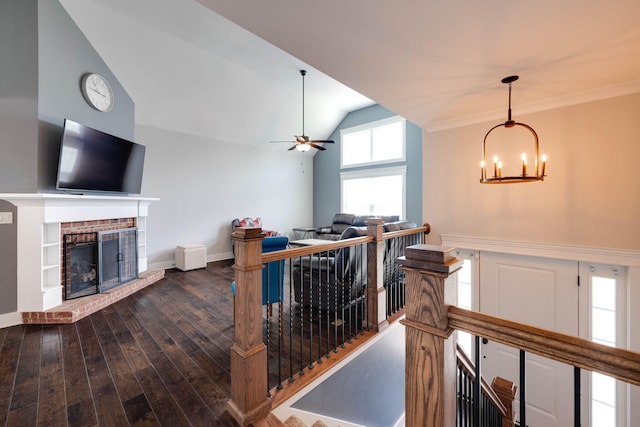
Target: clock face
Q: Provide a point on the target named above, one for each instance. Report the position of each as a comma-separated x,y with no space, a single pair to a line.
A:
97,92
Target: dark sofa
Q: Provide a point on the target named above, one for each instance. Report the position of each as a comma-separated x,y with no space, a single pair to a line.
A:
335,280
342,221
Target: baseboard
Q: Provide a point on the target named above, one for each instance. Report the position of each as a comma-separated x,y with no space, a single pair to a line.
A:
10,319
165,265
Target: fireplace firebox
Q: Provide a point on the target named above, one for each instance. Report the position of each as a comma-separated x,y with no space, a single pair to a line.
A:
96,262
80,264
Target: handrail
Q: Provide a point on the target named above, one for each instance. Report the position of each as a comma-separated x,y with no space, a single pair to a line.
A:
615,362
426,229
467,365
314,249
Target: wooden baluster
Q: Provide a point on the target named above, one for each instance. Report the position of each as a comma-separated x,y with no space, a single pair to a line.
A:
376,293
249,401
506,391
430,349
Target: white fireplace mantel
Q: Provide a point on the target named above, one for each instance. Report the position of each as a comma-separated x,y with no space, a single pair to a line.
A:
39,216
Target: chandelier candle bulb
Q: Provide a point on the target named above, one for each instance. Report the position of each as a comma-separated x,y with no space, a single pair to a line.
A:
495,166
499,169
544,162
483,172
524,164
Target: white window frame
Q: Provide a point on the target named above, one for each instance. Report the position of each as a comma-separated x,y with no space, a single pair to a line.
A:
375,173
473,257
587,270
372,125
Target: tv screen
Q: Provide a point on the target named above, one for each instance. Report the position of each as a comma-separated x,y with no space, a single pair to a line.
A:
91,160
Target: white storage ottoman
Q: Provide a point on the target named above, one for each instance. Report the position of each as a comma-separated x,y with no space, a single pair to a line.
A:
190,257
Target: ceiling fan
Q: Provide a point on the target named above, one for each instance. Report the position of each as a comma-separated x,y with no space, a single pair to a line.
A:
302,142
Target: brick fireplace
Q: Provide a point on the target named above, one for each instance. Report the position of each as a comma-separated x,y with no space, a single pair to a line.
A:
92,252
42,220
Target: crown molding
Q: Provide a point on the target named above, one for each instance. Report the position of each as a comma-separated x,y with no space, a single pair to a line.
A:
534,107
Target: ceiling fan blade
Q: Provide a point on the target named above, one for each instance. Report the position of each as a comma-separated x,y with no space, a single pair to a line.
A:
324,141
292,148
317,146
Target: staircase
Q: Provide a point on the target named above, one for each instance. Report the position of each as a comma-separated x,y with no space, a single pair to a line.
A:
293,421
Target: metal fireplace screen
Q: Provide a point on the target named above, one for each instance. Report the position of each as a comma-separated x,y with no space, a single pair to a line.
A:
80,264
118,254
98,261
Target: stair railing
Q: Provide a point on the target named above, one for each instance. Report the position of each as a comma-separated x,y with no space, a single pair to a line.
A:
261,343
431,318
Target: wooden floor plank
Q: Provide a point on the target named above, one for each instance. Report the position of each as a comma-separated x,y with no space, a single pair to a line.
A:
25,392
179,349
134,402
164,405
52,408
80,407
109,410
220,369
9,356
194,408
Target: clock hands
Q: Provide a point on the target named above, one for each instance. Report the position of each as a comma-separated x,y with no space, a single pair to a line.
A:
99,93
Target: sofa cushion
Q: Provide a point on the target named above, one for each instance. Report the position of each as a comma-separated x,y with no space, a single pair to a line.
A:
343,218
360,220
399,225
351,232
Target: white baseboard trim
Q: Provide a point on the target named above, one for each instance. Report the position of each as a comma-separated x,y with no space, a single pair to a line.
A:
165,265
613,256
10,319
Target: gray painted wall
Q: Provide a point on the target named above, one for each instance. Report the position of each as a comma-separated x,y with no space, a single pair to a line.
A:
18,95
8,261
43,58
326,168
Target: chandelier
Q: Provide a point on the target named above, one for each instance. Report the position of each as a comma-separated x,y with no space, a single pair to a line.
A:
522,172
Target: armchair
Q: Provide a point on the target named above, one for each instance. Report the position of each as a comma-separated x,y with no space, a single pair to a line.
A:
333,281
272,273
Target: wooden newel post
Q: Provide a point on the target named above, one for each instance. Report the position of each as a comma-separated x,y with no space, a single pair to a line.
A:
430,369
376,292
249,401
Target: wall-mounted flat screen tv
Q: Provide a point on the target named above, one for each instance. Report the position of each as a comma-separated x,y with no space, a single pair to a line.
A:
91,160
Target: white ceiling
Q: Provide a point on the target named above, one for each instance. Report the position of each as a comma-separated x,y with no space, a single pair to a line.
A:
437,63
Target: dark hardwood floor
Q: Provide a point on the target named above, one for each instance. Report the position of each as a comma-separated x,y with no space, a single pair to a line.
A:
158,357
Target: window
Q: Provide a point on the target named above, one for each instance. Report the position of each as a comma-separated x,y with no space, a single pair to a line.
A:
377,191
467,287
371,189
378,142
606,326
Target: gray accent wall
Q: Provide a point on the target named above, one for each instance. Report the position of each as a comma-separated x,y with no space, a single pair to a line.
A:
326,167
43,58
18,95
8,261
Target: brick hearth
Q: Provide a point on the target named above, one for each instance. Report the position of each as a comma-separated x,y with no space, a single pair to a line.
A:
73,310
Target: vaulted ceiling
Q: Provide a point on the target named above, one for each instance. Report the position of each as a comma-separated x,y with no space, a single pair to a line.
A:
188,65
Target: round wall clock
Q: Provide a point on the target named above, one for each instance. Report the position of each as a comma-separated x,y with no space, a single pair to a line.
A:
97,91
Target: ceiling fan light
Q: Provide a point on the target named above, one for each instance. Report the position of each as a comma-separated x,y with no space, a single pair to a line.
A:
303,148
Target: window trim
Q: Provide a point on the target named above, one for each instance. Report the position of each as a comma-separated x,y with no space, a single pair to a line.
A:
372,125
374,173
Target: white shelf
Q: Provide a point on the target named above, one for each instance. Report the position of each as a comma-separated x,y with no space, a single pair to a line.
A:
50,256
